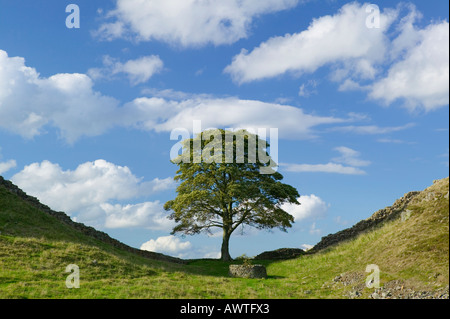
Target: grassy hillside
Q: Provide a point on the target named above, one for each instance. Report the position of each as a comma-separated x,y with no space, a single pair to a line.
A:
412,253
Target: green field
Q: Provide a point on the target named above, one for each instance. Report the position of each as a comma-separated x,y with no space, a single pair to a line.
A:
35,250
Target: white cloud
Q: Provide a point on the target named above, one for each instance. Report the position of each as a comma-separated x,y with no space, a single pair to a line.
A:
421,78
162,115
393,141
407,37
88,191
323,168
174,246
149,215
311,207
168,245
342,38
6,166
407,64
29,102
348,157
187,22
138,71
372,129
307,89
306,247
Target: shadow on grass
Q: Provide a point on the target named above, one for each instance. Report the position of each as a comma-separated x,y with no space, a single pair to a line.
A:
218,268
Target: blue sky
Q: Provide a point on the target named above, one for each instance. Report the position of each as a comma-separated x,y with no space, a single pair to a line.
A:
360,99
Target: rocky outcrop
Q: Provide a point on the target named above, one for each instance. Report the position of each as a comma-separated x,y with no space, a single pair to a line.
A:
86,230
394,289
280,254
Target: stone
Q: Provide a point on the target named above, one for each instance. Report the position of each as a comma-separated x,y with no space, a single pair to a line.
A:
405,215
248,271
375,296
355,294
281,254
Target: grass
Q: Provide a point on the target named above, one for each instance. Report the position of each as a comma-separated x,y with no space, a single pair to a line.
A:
35,250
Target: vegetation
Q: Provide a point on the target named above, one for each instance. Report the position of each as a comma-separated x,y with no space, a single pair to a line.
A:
35,250
225,188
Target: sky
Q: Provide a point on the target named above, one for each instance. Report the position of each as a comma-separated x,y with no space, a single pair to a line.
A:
90,92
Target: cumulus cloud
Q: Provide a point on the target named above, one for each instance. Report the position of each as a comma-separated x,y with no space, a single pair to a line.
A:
396,62
421,78
167,245
343,37
29,102
89,191
311,207
337,165
306,247
163,115
174,246
150,215
138,71
6,166
187,22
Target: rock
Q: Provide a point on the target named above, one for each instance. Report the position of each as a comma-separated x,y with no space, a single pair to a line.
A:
280,254
355,294
248,271
429,196
405,215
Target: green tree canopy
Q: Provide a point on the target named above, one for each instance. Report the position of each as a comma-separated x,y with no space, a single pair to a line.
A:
223,185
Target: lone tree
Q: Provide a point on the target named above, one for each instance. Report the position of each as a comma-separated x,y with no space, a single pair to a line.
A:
223,185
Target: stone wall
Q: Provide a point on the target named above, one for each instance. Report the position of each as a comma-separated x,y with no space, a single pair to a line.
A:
88,231
378,218
248,271
280,254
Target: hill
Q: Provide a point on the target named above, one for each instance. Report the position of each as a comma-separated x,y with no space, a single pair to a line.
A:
408,242
19,218
403,208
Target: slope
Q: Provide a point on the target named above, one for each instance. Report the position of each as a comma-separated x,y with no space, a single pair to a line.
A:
410,246
408,242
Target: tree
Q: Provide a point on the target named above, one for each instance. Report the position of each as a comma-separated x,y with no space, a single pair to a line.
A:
222,186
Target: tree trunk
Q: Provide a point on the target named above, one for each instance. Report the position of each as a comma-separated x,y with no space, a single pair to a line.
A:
225,252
